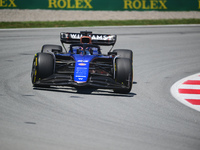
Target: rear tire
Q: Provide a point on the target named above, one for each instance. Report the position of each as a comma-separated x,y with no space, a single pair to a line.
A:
51,48
124,53
43,67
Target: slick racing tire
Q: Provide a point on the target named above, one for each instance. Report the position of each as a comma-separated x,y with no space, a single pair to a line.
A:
124,75
124,53
51,48
43,67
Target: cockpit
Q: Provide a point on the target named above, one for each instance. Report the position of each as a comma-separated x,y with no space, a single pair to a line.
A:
85,49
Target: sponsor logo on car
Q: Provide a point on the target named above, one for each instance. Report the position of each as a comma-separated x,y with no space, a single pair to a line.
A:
82,64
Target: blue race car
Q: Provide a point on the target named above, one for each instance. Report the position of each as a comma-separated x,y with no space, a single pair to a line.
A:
84,64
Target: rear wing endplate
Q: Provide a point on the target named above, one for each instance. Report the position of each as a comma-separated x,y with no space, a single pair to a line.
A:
98,39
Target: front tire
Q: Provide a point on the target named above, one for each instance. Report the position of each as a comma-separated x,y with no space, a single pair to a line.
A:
43,67
124,75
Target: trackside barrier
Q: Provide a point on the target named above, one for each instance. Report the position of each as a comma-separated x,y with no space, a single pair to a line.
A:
114,5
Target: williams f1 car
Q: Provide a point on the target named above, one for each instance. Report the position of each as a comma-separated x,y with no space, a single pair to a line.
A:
83,64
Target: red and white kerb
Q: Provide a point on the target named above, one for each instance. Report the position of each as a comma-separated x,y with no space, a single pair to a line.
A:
187,91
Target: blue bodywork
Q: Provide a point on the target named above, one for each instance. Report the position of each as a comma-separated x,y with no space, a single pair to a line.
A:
82,64
82,67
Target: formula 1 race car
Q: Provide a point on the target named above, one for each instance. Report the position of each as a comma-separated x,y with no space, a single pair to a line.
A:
84,64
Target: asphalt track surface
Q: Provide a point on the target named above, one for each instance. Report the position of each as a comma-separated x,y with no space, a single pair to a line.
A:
64,118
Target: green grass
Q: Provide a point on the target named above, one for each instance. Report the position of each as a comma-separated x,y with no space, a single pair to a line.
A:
46,24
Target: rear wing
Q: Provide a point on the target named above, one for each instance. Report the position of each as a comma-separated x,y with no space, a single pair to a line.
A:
98,39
